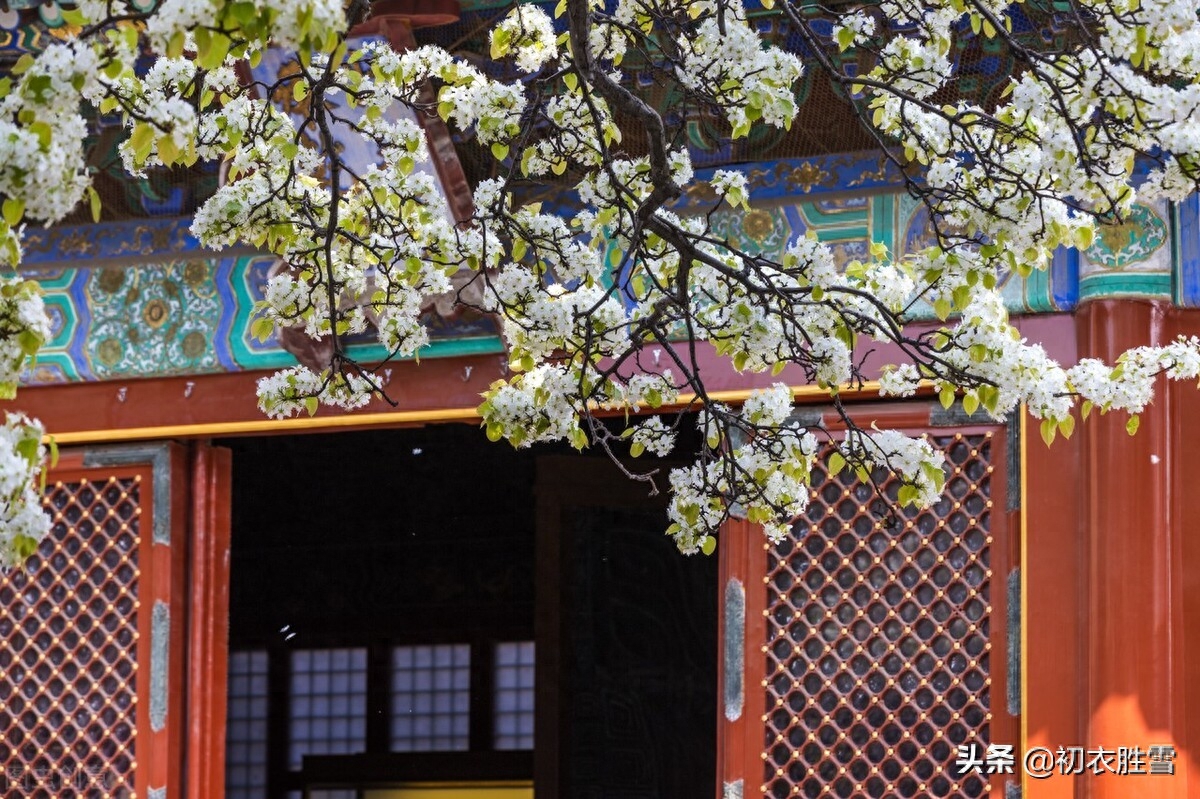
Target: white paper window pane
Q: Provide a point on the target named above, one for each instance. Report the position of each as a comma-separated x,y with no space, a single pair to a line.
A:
513,709
246,724
328,703
431,698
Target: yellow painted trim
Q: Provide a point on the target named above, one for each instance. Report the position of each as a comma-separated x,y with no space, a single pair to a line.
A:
1023,512
467,784
453,790
314,424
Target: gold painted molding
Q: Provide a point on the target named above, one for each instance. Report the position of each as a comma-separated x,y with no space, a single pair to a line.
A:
455,790
314,424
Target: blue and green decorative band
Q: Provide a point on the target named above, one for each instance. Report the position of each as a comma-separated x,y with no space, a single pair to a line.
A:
1128,284
142,299
184,317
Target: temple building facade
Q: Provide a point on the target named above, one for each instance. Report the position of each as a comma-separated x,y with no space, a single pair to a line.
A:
384,605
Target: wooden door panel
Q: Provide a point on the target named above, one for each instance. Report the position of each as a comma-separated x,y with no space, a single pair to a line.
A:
92,632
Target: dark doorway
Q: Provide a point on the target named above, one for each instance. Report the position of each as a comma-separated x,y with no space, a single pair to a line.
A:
382,632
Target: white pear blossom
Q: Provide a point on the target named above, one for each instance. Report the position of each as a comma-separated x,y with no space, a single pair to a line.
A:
528,31
23,521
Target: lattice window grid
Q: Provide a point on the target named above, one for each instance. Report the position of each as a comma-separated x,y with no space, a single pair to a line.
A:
68,638
328,703
514,695
246,726
431,698
878,651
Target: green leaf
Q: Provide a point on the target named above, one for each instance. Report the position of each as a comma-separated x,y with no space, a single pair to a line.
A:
141,140
310,405
837,462
970,403
27,448
1049,429
175,46
30,342
262,328
23,545
636,449
579,439
946,395
501,38
339,55
94,201
1132,425
709,545
14,209
500,151
1067,426
44,133
962,295
167,150
203,37
1085,238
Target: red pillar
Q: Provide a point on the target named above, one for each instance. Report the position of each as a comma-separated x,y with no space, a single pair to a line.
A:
1134,599
1185,493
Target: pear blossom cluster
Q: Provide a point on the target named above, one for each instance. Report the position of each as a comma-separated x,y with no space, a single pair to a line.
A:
914,461
1129,386
727,58
23,522
765,477
292,391
43,172
528,32
282,22
24,327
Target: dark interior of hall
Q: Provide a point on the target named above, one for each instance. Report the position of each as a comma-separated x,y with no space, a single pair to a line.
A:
399,598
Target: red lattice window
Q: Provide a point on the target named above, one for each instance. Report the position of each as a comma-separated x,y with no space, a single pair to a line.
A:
67,646
881,638
89,628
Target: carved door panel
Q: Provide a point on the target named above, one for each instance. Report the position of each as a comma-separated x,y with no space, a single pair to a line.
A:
859,655
94,647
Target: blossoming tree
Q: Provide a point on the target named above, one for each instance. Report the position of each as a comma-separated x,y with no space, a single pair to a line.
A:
366,247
